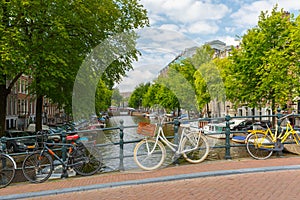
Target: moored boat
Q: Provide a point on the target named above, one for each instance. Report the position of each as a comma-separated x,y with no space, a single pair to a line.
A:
216,130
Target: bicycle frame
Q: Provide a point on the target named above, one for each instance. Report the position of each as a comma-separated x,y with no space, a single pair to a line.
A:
278,138
52,153
289,130
174,147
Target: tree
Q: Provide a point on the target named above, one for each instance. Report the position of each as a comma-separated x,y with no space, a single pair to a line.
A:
136,99
103,97
205,76
116,97
263,70
178,87
50,39
159,94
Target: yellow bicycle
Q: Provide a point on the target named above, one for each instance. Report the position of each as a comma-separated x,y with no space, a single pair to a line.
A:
261,144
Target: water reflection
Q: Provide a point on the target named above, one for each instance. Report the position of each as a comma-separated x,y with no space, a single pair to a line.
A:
110,151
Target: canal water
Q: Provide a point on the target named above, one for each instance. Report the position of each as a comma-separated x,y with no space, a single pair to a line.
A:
107,143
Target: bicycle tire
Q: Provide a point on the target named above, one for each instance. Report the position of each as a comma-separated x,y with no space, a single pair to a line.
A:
201,150
7,170
37,167
144,159
259,146
86,160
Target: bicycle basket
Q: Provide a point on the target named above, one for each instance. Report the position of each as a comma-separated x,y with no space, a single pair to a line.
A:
146,129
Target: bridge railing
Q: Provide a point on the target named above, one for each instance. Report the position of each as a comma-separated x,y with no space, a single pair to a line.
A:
121,128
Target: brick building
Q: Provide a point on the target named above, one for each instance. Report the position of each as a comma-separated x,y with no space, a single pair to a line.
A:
21,107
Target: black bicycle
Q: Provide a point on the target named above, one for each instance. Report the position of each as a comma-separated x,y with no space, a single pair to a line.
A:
7,168
84,159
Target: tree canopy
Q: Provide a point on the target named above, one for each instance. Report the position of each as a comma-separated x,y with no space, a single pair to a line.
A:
263,71
49,40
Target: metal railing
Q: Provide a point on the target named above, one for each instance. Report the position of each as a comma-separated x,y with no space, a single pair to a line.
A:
176,124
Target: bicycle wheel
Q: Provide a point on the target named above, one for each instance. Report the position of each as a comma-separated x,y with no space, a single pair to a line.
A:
7,170
195,147
149,155
37,167
259,146
86,160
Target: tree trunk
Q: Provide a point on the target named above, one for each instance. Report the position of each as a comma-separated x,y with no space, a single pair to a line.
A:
39,108
207,111
3,101
4,92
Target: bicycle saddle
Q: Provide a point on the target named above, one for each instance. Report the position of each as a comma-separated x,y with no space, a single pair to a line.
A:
72,137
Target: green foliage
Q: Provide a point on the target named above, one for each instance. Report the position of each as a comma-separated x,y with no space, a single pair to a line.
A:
263,71
204,75
103,97
159,94
137,99
177,86
116,98
50,39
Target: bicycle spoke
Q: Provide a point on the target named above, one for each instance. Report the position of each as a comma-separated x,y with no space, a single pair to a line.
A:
87,160
149,155
37,168
259,146
7,170
195,147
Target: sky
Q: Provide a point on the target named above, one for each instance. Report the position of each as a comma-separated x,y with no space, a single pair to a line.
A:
176,25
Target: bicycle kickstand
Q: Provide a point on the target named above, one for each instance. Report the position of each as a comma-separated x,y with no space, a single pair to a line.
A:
64,173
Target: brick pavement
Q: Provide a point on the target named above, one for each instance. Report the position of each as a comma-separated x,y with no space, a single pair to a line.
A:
236,184
254,186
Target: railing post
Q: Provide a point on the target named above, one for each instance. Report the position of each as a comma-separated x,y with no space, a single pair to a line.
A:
176,140
278,142
279,115
64,149
121,155
3,141
227,140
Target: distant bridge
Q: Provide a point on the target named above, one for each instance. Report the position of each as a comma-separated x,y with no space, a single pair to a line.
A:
119,111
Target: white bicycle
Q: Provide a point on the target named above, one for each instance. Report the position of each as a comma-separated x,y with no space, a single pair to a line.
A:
150,153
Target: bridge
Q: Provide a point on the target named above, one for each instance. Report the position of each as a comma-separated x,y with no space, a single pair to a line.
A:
121,111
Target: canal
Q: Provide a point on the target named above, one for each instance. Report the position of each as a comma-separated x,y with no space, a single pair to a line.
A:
108,144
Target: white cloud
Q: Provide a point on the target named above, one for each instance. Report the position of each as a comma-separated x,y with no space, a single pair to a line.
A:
203,27
293,5
135,78
247,15
229,40
187,11
180,24
163,40
171,27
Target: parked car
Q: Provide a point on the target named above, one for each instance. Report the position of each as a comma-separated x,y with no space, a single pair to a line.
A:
249,124
31,128
19,145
